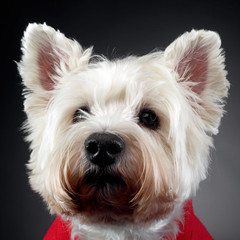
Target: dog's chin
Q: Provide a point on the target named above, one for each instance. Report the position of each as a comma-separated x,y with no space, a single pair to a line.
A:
104,197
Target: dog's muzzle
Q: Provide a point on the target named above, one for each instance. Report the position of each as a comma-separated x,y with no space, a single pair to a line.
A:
104,149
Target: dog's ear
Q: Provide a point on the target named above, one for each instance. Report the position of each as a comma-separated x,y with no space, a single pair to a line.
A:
197,61
48,58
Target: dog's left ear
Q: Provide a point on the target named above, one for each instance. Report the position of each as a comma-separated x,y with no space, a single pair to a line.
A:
48,56
197,62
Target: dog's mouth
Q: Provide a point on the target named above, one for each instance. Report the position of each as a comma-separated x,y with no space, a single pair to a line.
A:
108,196
103,179
103,194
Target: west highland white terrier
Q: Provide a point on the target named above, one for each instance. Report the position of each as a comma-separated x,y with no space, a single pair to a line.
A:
118,148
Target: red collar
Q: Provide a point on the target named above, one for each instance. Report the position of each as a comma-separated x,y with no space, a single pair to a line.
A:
192,229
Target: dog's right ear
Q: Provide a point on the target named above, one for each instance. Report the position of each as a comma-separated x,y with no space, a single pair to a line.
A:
48,58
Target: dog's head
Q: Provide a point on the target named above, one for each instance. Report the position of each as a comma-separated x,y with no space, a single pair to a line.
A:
121,140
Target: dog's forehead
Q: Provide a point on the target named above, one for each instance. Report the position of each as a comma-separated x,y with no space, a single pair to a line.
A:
130,84
105,81
116,73
125,79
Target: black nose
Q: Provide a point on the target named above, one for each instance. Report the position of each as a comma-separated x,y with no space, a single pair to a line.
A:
104,149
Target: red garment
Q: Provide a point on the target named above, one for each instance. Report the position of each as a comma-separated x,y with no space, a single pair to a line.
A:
192,229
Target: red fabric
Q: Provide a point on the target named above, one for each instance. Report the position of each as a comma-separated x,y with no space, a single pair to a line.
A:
59,230
192,229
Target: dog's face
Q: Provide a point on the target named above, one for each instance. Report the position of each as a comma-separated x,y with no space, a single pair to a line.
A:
123,140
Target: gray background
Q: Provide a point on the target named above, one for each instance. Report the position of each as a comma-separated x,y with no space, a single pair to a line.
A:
117,29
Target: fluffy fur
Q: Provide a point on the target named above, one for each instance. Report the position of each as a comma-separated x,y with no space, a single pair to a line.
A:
185,86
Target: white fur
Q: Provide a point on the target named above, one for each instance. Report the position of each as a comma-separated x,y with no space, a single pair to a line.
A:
116,91
167,228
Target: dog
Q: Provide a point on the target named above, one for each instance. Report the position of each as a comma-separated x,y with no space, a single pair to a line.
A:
118,147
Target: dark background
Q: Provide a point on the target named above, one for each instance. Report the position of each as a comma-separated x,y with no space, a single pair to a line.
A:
116,29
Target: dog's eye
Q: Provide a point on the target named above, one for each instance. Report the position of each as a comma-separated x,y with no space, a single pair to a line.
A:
149,119
80,114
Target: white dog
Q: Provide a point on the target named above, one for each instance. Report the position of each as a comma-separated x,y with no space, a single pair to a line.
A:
118,147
